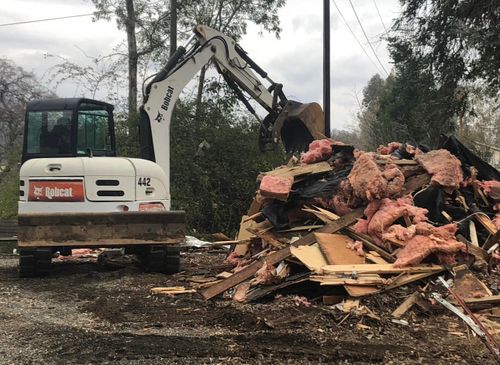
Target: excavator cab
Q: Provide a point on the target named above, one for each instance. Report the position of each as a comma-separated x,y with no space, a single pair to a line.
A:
68,127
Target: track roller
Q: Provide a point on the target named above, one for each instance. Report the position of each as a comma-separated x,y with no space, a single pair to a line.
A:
35,262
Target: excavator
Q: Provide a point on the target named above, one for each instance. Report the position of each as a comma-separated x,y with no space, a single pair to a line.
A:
76,193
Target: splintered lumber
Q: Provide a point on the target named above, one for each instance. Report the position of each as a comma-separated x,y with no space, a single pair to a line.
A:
327,216
268,289
486,223
315,168
277,256
401,162
375,258
492,300
380,269
310,256
372,246
335,250
171,290
406,305
467,285
473,233
406,278
360,280
334,247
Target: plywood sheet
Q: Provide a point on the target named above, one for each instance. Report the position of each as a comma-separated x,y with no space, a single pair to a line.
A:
310,256
334,248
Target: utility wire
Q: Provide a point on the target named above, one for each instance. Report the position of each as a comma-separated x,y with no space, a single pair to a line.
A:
379,16
46,20
366,37
356,38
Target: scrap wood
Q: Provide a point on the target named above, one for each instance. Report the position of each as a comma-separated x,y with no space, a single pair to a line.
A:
353,306
473,233
488,339
380,269
370,245
492,300
310,169
171,290
268,237
338,280
277,256
334,247
301,228
310,256
327,217
406,305
467,285
260,292
486,222
375,257
478,328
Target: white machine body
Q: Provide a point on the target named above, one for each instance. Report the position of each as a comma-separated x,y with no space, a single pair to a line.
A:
92,184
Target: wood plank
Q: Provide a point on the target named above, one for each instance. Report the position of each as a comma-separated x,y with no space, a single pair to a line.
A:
407,279
327,216
370,245
473,233
334,248
494,299
310,256
315,168
375,258
467,285
243,235
380,269
278,256
486,223
349,281
262,291
406,305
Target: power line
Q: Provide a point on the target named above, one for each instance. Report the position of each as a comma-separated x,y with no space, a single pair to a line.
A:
379,16
366,37
46,20
354,35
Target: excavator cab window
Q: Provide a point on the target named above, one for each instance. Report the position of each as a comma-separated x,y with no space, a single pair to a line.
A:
94,133
68,128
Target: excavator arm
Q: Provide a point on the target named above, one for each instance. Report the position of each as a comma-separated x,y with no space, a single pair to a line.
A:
294,123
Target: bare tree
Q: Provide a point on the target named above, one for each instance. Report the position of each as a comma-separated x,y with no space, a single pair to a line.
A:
17,87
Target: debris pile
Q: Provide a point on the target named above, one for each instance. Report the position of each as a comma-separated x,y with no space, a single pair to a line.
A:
349,224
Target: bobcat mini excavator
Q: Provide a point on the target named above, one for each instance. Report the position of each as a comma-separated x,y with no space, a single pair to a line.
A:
75,192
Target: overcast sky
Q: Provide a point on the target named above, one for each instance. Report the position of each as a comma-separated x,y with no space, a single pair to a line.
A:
294,60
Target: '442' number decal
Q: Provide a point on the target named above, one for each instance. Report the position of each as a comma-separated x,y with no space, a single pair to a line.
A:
144,181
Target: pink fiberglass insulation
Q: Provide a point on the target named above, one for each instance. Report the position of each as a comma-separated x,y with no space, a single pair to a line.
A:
390,148
266,275
429,239
368,182
319,150
443,166
398,232
388,212
356,246
487,186
277,187
496,220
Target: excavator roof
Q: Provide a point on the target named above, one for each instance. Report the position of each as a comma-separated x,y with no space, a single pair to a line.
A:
64,104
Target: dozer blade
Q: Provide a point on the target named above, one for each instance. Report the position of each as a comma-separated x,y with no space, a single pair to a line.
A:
100,229
298,125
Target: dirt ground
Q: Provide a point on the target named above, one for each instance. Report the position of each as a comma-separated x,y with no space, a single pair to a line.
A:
85,314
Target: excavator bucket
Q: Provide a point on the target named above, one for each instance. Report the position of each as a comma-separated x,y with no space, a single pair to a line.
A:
297,125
